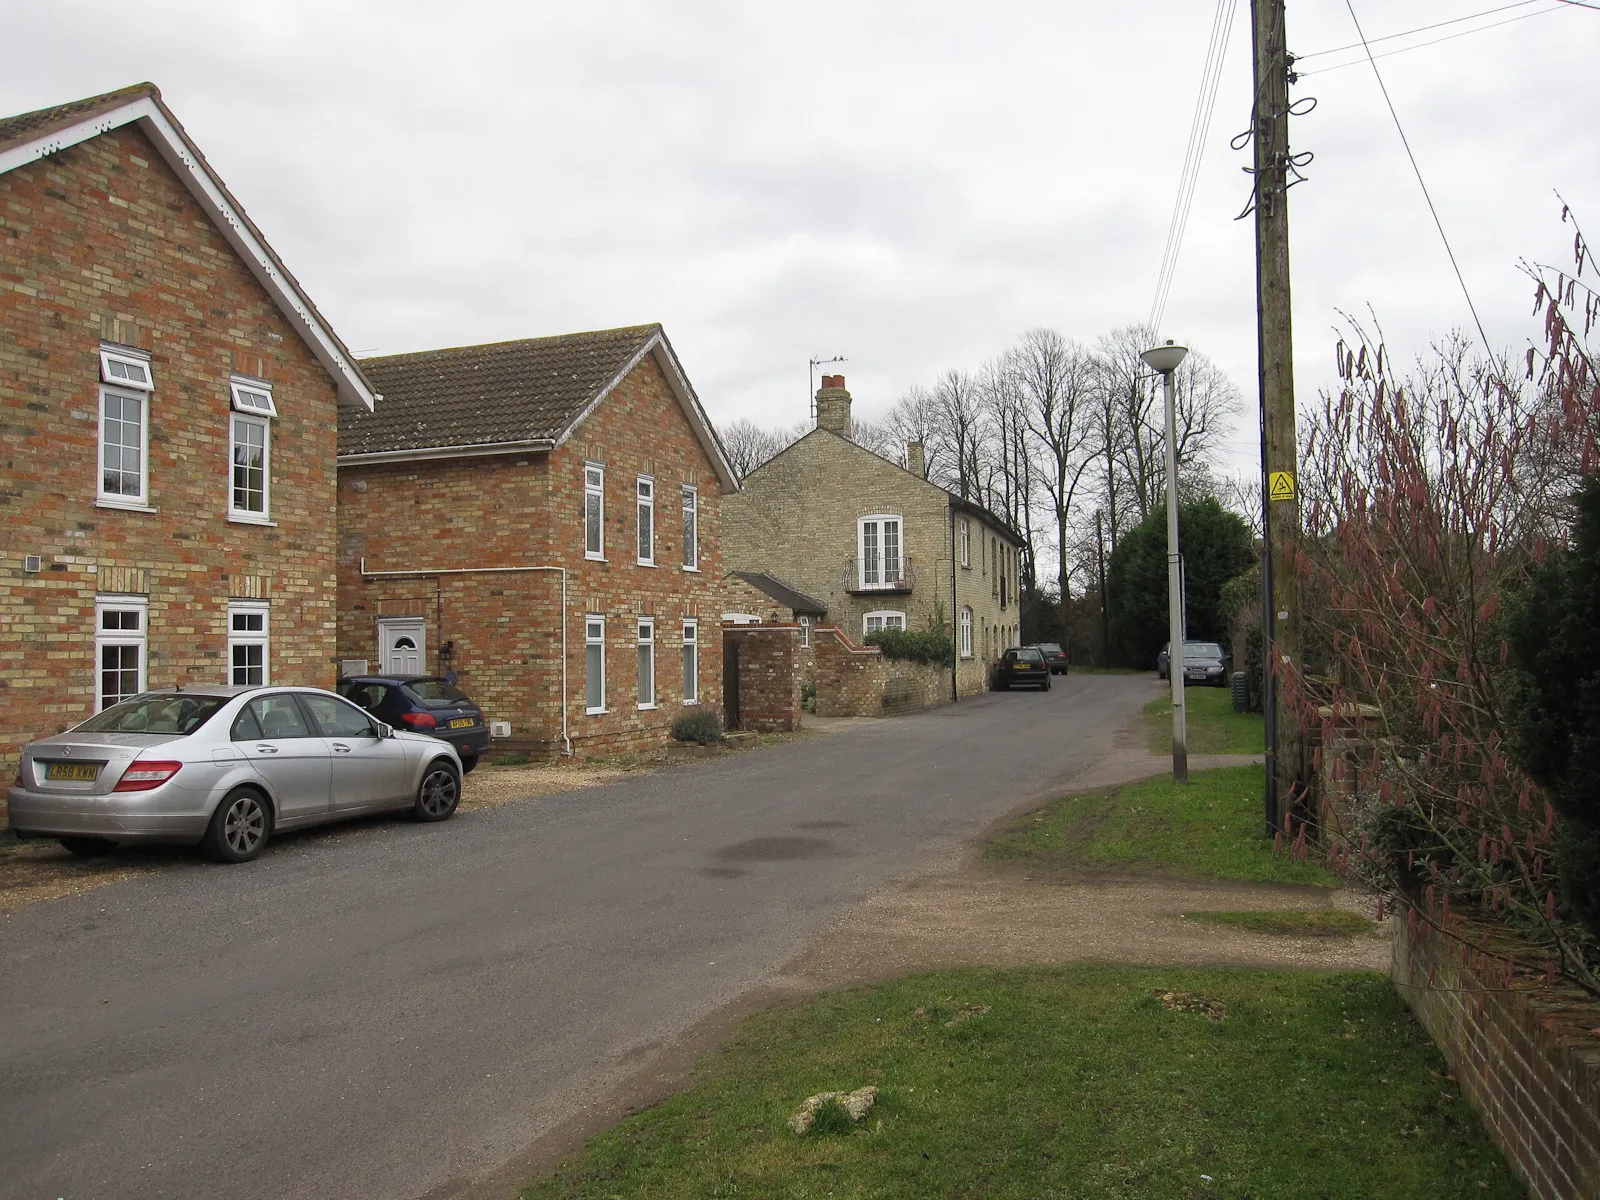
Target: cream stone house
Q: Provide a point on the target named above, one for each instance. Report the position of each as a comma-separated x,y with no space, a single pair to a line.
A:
876,543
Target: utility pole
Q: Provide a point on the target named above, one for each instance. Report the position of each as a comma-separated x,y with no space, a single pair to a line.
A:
1105,615
1280,493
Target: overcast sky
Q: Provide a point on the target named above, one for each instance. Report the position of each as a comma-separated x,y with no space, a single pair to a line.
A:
908,185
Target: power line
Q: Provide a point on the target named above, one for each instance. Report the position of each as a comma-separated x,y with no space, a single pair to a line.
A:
1434,41
1406,142
1199,128
1389,37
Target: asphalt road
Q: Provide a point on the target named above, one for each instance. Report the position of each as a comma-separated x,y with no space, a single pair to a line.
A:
378,1011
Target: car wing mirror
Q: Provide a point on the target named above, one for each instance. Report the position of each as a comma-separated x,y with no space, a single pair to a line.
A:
385,731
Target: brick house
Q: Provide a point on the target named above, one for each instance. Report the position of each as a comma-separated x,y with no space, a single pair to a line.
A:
167,396
876,543
541,517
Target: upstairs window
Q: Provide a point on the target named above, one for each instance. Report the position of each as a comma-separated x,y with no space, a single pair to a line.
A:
647,521
691,528
249,440
252,396
964,541
124,427
878,551
594,510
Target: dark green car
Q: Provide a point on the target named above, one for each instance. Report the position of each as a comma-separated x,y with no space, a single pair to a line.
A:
1024,665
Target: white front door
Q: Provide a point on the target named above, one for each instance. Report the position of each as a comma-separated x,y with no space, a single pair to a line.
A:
402,646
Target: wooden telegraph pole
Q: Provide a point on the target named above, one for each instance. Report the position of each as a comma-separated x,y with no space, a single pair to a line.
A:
1280,502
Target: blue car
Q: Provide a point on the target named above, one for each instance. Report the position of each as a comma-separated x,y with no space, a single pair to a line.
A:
427,704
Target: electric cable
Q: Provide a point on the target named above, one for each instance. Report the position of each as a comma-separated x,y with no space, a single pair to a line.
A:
1389,37
1422,183
1199,129
1450,37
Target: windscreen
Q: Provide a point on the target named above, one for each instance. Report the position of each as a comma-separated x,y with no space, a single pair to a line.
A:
1202,650
1029,654
435,693
170,713
1050,647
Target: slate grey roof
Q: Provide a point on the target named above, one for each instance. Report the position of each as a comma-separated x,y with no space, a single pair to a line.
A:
790,598
24,127
522,391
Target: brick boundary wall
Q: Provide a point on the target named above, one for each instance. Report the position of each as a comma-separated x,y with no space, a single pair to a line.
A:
913,686
850,678
1526,1055
769,676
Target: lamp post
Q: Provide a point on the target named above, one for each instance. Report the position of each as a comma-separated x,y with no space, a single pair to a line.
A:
1164,360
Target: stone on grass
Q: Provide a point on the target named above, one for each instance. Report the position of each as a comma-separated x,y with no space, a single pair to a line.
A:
857,1103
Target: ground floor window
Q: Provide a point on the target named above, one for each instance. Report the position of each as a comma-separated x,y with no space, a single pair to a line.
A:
647,662
120,648
594,655
966,632
876,622
247,642
691,662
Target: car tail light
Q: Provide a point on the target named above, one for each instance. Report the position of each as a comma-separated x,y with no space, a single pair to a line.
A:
419,720
144,775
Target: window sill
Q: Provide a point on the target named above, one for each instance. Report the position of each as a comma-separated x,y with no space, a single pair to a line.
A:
646,563
245,519
595,712
648,707
121,507
692,570
688,702
587,557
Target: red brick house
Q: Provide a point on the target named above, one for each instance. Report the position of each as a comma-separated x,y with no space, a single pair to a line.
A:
542,518
167,401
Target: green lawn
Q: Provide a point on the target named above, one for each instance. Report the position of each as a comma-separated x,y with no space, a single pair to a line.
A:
1212,725
1067,1082
1321,922
1211,827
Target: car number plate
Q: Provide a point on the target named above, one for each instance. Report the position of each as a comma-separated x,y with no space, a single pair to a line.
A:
462,723
1197,672
79,771
1021,667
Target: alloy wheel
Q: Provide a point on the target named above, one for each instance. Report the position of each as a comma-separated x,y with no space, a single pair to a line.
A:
439,793
245,825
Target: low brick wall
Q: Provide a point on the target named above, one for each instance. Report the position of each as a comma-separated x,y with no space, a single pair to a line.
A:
912,686
850,678
769,676
1525,1054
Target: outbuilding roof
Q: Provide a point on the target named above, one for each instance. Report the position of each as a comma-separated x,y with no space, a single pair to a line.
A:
790,598
506,397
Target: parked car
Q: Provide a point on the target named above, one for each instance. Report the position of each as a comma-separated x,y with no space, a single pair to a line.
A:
1021,664
226,768
1197,656
1055,656
423,704
1205,662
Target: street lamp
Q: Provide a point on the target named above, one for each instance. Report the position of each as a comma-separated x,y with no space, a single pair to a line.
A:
1164,360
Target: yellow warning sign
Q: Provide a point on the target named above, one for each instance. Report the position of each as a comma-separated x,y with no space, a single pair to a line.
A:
1280,485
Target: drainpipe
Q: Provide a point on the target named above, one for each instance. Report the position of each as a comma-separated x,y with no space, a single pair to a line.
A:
955,617
566,741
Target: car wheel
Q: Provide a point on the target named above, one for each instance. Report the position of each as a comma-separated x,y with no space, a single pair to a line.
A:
239,828
439,792
468,761
87,847
1046,684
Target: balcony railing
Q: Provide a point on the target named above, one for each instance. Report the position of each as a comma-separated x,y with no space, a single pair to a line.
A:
891,575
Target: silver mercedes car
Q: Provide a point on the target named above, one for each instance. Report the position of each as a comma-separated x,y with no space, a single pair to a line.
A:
227,768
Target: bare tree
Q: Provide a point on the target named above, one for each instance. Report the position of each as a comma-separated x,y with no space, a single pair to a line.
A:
1054,380
959,424
749,445
912,419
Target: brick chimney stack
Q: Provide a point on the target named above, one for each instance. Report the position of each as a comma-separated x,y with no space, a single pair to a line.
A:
916,460
833,406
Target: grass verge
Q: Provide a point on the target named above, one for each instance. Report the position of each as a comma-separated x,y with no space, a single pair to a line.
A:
1320,922
1209,828
1213,727
1085,1081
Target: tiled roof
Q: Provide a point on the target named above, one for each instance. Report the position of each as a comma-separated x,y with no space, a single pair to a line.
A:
24,127
790,598
482,395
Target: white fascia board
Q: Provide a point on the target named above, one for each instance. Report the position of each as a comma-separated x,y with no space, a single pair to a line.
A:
482,450
230,223
698,421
